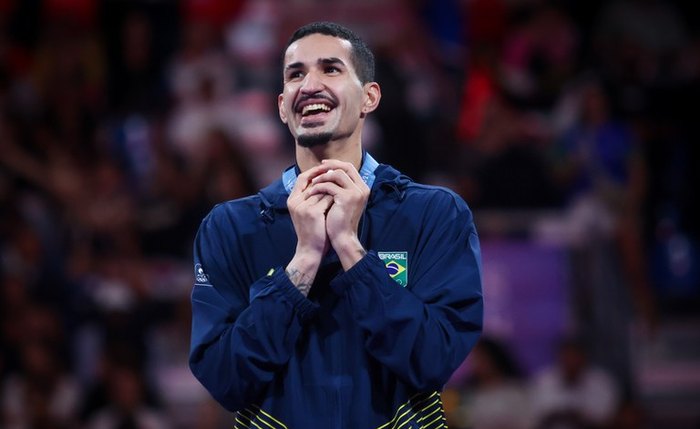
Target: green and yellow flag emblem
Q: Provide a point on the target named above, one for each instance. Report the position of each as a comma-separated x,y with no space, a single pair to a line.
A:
396,265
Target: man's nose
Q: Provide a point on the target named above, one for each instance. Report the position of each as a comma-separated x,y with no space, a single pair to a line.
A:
312,83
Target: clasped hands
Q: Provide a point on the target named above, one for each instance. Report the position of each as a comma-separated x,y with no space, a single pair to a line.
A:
326,205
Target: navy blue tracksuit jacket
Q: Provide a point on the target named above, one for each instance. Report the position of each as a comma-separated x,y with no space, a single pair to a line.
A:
369,348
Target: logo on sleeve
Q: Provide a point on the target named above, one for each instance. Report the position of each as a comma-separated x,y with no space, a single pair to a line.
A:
396,265
199,275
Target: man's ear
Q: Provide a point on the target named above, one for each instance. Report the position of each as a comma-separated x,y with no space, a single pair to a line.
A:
280,108
373,94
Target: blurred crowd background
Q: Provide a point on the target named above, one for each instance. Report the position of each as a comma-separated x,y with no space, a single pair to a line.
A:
570,127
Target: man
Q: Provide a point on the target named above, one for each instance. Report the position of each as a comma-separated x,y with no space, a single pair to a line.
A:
343,295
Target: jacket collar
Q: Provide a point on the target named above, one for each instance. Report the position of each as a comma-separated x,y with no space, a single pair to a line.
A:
369,165
384,180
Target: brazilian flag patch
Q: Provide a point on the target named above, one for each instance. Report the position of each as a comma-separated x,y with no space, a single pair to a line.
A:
396,265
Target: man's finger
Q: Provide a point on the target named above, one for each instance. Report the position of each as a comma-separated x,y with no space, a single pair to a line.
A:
325,188
340,177
347,167
325,202
311,200
304,179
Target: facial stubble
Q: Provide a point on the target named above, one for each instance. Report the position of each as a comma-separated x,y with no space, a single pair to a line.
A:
313,140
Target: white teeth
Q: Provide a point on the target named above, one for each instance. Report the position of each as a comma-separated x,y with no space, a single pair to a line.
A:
317,106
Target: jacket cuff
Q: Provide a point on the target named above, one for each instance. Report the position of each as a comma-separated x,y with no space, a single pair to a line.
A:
279,282
370,262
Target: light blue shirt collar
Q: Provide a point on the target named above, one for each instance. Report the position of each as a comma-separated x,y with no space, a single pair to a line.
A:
369,165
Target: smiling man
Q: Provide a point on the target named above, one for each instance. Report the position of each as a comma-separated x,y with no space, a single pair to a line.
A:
343,295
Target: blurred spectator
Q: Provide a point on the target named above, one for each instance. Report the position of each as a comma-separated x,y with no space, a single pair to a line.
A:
257,134
599,158
480,91
112,358
404,148
200,58
202,81
41,394
637,39
135,80
226,175
638,45
496,395
196,115
126,405
445,33
507,163
106,209
163,203
573,393
118,305
68,57
539,56
674,177
251,41
188,404
601,169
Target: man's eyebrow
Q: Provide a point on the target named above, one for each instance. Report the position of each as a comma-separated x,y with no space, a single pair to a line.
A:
331,60
296,65
322,61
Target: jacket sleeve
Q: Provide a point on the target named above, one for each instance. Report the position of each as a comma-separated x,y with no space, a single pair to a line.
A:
424,331
241,334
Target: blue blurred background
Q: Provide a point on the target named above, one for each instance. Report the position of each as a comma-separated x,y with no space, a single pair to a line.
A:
568,126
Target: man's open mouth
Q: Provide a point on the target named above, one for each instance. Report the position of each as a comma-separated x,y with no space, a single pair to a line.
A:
314,109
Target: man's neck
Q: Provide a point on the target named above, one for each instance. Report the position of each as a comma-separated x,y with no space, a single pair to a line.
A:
310,157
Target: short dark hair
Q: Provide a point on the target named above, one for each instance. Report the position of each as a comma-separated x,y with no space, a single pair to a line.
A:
360,55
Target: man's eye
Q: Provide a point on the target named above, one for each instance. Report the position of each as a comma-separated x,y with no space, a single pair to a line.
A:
332,69
295,75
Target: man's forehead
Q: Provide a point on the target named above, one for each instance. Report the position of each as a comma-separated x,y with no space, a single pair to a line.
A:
316,46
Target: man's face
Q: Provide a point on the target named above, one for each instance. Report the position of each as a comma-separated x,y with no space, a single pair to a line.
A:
322,99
